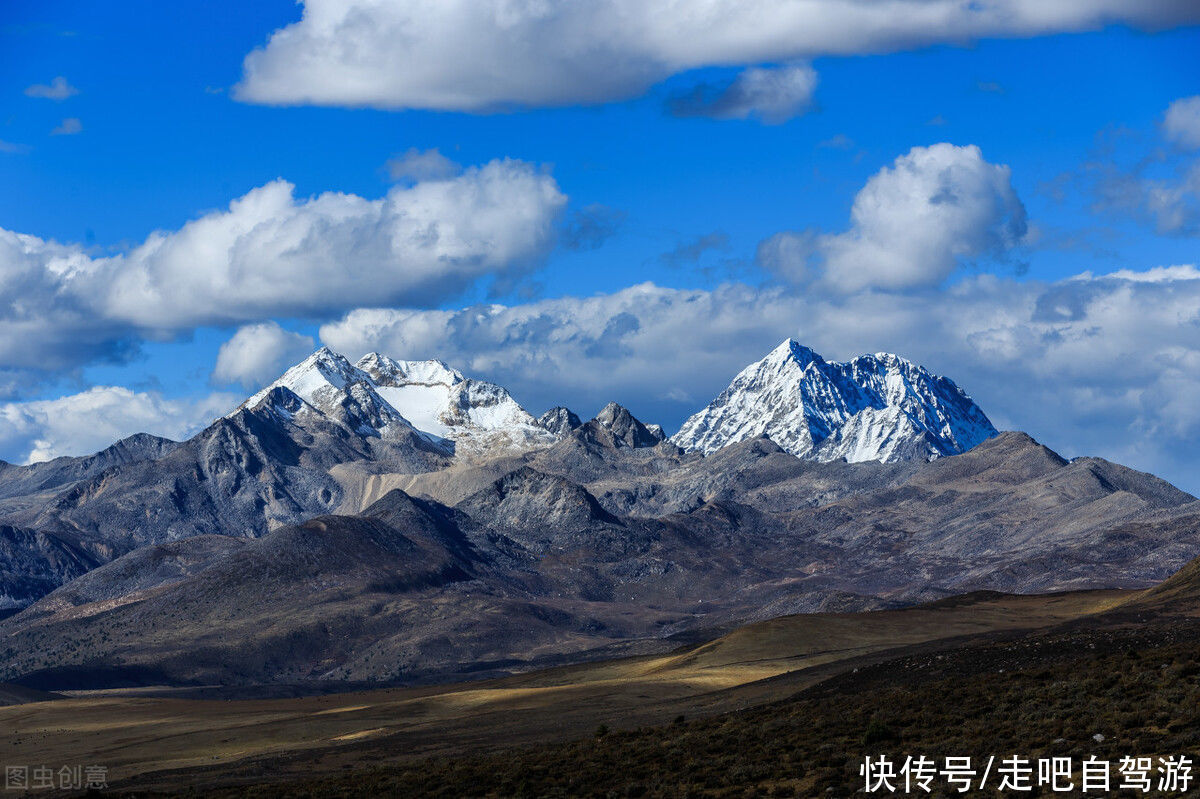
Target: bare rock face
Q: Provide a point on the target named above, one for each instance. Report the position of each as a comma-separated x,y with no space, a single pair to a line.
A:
33,563
17,481
616,426
559,420
875,408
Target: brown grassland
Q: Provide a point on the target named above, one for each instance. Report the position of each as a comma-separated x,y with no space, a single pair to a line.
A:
784,707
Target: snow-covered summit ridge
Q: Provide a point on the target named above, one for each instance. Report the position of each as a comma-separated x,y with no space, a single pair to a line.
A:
877,407
428,396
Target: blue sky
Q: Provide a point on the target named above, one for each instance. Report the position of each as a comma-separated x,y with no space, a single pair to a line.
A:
1072,111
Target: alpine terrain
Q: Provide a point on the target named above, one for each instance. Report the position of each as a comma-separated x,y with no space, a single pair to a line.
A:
396,520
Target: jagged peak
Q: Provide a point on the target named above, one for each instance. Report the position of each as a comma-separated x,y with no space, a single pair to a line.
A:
611,411
393,371
323,372
276,398
790,349
325,359
559,420
874,407
625,428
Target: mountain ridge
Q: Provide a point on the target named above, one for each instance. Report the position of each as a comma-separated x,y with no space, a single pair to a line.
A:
874,407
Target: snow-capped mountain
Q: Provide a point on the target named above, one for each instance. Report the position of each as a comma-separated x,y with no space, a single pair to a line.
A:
382,396
474,414
327,383
874,408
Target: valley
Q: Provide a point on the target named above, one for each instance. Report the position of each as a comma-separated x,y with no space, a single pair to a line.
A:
158,738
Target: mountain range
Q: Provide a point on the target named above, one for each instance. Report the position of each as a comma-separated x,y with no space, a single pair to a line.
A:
396,520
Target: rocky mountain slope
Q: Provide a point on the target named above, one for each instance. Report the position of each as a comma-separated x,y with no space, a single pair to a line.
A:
264,465
590,548
874,408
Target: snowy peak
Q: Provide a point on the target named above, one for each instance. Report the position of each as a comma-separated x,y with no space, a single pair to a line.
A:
877,407
319,380
387,371
788,352
389,398
475,415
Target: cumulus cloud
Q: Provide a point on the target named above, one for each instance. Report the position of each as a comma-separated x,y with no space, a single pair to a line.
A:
482,55
271,254
256,354
912,225
1181,122
774,95
915,222
57,89
68,127
1105,365
80,424
417,165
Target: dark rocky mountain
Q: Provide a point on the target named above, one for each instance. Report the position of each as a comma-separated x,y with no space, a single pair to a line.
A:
616,427
559,420
34,479
34,563
260,467
624,428
592,548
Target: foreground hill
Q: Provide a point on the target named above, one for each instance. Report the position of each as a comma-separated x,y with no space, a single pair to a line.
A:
148,737
786,707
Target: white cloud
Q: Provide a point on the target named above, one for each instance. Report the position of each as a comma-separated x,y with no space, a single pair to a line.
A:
68,127
256,354
418,165
789,254
772,94
271,254
642,341
1181,122
915,222
1105,365
912,225
481,55
1159,274
57,89
80,424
